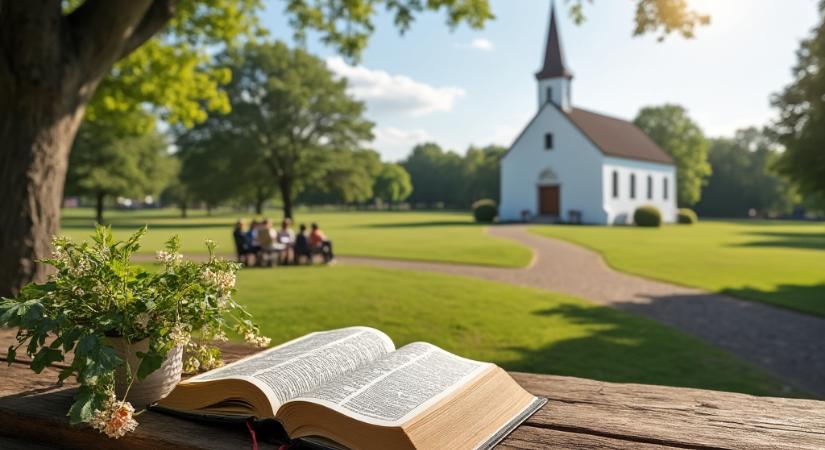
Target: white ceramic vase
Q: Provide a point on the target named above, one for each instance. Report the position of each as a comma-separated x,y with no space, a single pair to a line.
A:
155,386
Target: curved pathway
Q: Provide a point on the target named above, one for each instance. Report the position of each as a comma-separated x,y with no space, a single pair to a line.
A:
787,344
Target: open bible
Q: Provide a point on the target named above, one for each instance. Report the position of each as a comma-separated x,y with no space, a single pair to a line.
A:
350,388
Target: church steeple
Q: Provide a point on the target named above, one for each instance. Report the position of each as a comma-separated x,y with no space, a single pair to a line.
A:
554,66
554,78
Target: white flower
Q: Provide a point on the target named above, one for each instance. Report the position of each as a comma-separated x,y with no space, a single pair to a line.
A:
142,320
115,419
258,341
165,257
180,336
223,281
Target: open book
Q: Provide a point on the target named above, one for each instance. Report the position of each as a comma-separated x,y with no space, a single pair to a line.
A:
351,388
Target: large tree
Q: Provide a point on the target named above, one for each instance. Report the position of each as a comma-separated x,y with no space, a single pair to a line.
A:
290,115
801,125
482,173
436,175
105,164
677,134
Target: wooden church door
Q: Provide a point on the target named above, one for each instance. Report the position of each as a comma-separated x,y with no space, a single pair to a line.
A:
549,200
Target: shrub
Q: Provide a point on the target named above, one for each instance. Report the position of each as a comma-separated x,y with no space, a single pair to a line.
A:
485,211
647,216
687,216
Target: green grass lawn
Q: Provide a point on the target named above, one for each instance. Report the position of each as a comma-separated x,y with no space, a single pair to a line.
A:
432,236
782,263
518,328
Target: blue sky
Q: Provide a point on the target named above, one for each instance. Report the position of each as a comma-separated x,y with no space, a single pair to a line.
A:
476,86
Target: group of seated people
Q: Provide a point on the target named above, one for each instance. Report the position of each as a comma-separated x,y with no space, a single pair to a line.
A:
260,244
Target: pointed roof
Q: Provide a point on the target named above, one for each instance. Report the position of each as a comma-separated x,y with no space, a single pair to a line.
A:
554,66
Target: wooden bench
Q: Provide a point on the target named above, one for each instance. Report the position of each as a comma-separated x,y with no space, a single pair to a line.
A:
580,414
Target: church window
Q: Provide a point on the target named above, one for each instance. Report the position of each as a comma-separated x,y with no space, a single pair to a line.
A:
548,141
665,192
615,184
649,187
632,185
549,95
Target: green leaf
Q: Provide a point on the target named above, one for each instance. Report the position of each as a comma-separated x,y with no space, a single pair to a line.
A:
83,407
44,358
149,363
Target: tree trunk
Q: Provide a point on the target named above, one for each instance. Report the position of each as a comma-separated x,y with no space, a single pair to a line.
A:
99,207
35,141
50,66
285,184
259,202
183,209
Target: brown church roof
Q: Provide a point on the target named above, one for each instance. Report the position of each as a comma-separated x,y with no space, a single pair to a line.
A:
617,137
554,66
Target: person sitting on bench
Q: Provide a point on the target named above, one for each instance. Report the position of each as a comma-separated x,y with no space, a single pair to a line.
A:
242,247
266,237
318,242
286,238
301,247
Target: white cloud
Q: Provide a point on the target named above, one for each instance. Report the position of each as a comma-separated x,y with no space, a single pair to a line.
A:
386,93
395,144
482,44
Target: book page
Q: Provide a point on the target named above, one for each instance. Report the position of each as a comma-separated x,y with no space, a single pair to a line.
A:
298,366
396,387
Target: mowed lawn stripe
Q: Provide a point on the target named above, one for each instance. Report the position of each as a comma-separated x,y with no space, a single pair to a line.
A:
781,263
424,236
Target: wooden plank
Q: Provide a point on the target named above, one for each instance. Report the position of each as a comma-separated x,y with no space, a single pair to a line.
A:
678,417
580,414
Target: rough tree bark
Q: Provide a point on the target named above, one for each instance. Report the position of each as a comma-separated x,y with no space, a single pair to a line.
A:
50,66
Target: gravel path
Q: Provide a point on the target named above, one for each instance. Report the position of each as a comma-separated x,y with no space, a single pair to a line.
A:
787,344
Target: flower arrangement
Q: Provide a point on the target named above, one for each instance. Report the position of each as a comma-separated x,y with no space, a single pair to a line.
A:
96,294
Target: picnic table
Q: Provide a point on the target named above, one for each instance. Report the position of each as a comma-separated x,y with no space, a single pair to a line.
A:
579,414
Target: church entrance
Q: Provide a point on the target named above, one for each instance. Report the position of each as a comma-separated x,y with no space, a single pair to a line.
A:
549,204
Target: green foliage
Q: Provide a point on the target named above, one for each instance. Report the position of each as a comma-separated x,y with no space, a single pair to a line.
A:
652,16
295,118
674,131
106,162
801,124
744,177
96,294
687,216
393,184
647,216
348,25
174,74
485,211
482,174
436,176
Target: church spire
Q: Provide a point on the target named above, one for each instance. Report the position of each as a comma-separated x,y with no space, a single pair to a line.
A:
554,66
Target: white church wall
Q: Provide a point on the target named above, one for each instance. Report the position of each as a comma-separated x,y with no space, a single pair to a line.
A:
574,160
620,210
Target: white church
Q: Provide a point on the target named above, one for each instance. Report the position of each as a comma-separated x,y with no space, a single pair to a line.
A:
574,165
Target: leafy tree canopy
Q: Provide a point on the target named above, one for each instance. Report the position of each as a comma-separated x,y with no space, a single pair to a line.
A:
801,124
677,134
393,184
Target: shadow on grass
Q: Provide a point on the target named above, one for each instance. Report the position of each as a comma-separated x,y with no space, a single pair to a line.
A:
425,224
812,241
88,224
627,349
807,299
